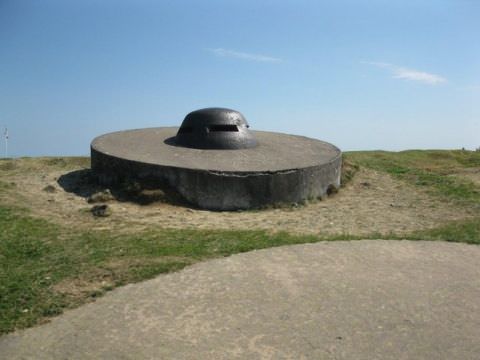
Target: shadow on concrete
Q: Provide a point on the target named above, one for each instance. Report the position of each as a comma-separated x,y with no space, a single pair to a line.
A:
171,141
83,183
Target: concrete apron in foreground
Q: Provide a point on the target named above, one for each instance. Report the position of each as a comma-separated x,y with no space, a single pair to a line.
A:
339,300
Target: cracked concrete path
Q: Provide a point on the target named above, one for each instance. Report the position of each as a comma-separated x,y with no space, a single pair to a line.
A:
340,300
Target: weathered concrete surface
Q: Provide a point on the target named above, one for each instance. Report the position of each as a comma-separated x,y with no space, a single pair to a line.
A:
339,300
280,169
274,152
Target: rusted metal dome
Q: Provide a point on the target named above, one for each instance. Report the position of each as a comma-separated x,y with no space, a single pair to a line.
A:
215,128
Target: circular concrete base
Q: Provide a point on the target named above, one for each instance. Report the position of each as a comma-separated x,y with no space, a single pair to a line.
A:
281,169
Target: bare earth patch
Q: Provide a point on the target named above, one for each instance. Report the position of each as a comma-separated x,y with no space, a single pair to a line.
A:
373,202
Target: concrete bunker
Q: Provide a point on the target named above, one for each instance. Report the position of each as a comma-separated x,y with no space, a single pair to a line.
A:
216,162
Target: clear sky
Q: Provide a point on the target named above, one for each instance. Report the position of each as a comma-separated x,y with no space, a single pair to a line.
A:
362,74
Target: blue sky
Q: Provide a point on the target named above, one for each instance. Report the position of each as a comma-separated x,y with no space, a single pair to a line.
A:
361,74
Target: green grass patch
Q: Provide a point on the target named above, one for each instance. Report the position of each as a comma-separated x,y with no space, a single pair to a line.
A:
466,231
29,261
434,170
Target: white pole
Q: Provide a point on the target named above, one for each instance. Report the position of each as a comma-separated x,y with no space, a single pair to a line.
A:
6,142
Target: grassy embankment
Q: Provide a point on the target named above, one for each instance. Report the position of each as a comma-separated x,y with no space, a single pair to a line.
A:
37,257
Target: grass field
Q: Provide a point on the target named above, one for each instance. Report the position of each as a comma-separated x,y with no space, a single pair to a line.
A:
46,267
434,169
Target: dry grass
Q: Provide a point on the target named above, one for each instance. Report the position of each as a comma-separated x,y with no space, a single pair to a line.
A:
370,201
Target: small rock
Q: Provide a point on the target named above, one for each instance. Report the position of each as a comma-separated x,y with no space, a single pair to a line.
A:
101,196
49,189
101,210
